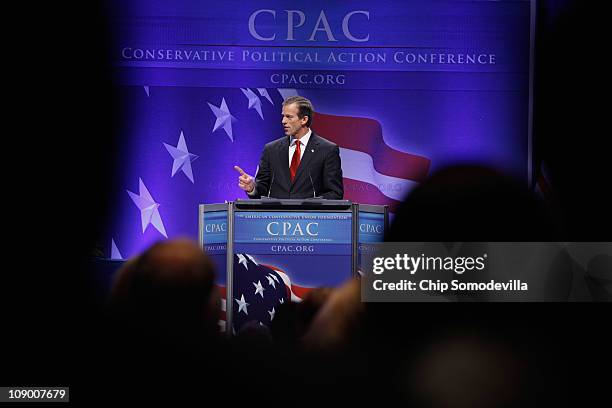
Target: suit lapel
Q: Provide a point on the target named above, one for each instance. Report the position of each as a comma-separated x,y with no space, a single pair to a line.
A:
311,149
283,154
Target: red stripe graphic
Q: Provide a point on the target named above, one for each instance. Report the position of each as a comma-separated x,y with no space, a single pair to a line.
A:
300,291
223,293
365,135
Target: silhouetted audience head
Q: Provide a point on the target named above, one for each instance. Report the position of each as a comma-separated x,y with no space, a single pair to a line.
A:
253,336
338,319
292,320
309,307
167,295
465,371
471,203
284,328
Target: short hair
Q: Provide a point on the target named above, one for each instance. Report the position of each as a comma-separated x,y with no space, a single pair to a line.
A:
304,105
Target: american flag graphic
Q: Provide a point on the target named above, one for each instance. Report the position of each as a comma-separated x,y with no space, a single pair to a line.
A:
258,290
374,173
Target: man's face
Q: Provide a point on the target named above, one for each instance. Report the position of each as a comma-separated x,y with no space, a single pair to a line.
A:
291,121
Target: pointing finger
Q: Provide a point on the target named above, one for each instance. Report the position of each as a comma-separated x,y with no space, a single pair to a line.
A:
242,173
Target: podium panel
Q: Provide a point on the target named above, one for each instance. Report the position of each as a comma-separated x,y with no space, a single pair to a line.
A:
280,256
212,236
373,221
268,252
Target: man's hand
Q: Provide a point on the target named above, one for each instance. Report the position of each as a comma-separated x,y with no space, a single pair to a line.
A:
245,182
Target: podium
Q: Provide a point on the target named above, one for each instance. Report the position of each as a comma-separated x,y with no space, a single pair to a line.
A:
270,251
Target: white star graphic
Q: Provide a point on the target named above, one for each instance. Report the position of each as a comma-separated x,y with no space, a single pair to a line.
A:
287,92
115,254
252,259
275,278
224,118
281,301
242,305
271,281
272,313
254,102
146,89
149,213
264,92
242,260
259,288
182,157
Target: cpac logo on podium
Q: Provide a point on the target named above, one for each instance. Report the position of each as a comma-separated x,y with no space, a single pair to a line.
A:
371,228
286,228
296,19
216,227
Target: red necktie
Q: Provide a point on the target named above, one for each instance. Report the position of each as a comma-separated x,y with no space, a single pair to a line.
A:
295,160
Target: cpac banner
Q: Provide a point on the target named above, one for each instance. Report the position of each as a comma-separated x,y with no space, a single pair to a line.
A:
403,87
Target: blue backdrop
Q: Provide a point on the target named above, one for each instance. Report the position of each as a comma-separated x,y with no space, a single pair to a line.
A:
403,87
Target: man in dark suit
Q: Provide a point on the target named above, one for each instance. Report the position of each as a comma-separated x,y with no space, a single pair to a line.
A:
299,165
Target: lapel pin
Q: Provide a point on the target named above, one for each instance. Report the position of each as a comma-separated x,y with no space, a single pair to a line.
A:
312,150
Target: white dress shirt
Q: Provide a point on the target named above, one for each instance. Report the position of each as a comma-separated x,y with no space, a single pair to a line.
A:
304,141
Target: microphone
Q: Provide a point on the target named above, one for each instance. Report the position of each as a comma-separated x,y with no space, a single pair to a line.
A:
271,183
314,194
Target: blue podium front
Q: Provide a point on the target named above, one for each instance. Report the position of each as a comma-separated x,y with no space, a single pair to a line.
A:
276,251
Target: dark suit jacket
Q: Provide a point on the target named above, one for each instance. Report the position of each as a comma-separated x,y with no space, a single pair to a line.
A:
321,162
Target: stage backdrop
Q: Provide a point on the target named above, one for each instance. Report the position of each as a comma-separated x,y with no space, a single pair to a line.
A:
403,87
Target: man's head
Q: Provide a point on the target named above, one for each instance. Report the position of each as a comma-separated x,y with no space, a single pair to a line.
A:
169,292
297,116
